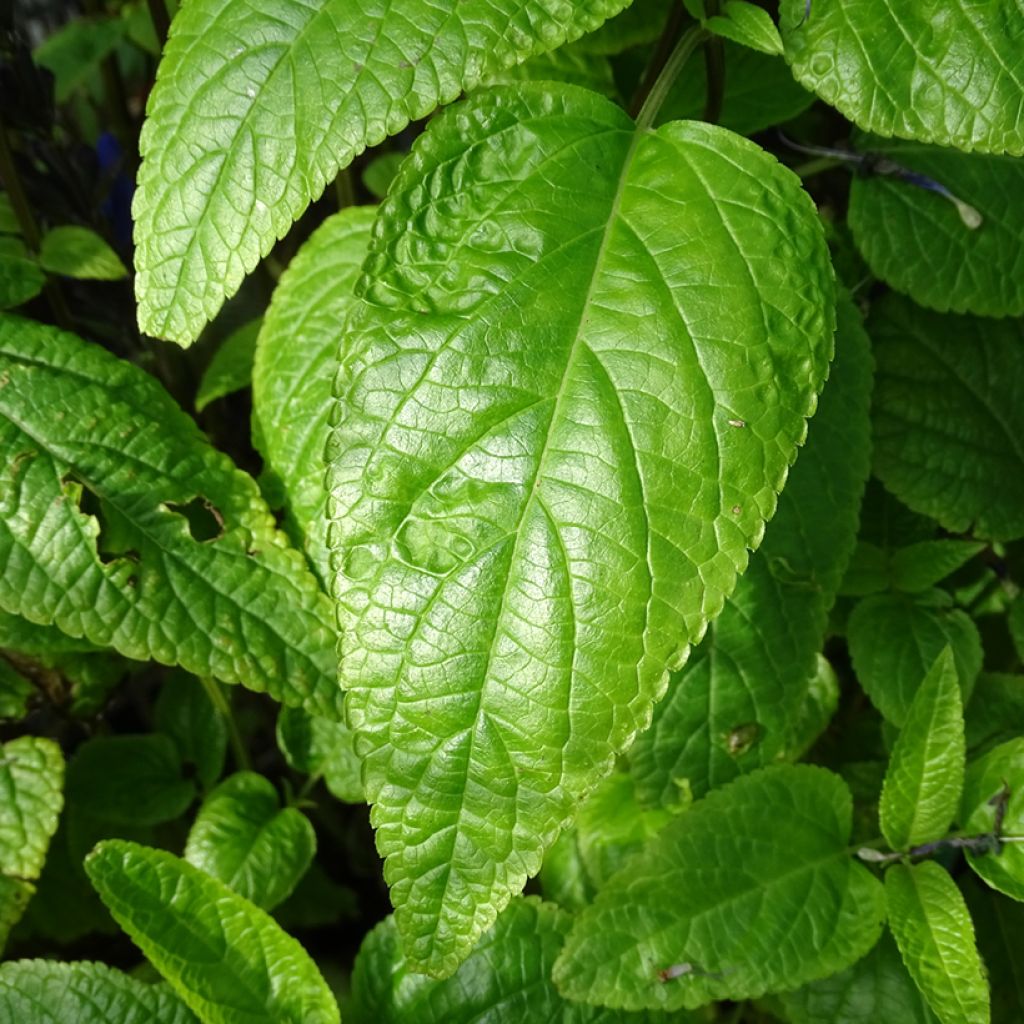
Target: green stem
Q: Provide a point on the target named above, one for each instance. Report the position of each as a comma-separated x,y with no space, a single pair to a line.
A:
220,703
690,40
817,166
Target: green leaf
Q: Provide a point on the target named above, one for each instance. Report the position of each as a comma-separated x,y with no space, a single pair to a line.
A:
875,990
748,25
935,935
230,370
948,420
754,889
43,992
78,252
243,837
640,23
8,218
573,64
820,702
183,564
130,780
15,691
14,900
922,787
563,875
319,746
74,52
997,778
920,566
296,361
760,91
184,712
514,570
732,707
996,710
894,640
378,175
917,241
239,138
20,276
225,957
904,70
999,924
31,798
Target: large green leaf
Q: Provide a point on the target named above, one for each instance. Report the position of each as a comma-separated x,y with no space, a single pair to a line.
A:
948,420
933,930
731,708
997,778
31,798
875,990
43,992
566,408
916,240
951,74
922,787
245,838
296,362
754,889
183,563
894,640
225,957
257,107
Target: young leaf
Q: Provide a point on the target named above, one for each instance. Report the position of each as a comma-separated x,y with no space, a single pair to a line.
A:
243,837
78,252
184,712
130,780
20,276
916,240
933,930
230,369
528,536
318,746
31,798
994,788
44,992
748,25
732,707
296,362
922,787
948,420
875,990
240,139
224,957
751,890
894,640
183,565
899,69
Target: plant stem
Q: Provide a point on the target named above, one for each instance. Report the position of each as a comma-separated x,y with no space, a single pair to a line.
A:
344,189
220,702
817,166
690,40
662,52
161,20
714,70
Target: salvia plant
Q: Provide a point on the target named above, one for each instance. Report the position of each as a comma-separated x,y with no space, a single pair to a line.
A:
590,433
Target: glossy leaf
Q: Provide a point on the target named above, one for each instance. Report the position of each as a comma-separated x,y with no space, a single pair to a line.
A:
916,240
948,420
751,890
20,276
296,361
997,778
747,24
732,707
31,798
223,956
243,837
239,138
894,640
185,713
319,746
80,253
527,540
230,370
922,787
935,936
44,992
952,77
183,564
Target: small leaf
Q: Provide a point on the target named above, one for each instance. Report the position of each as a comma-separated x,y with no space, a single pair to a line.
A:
994,787
184,712
748,25
230,370
897,69
31,798
377,177
751,890
44,992
318,746
20,276
920,566
78,252
948,420
915,239
894,640
74,52
243,837
922,787
224,957
15,691
121,524
935,936
129,780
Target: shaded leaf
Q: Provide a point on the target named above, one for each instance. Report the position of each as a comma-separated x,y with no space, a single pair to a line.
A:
20,276
185,713
319,746
74,52
31,798
78,252
230,370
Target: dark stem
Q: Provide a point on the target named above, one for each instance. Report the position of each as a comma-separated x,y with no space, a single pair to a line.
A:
659,58
714,70
161,20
